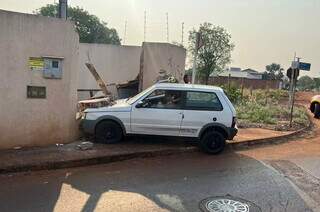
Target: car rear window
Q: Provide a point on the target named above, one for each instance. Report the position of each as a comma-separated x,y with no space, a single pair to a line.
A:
202,101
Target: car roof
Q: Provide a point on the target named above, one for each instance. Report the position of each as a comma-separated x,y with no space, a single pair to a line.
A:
192,87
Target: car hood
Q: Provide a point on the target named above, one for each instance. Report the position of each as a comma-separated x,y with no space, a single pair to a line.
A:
120,105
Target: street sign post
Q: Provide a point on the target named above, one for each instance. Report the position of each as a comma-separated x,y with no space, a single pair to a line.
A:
293,73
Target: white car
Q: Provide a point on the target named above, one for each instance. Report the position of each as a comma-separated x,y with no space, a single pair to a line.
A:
167,109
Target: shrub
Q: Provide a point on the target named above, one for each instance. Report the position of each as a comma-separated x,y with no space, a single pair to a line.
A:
255,112
233,93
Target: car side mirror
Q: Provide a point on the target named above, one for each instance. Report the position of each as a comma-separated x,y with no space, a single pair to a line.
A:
140,104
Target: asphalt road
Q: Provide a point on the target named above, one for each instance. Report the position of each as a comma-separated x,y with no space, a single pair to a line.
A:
174,183
282,177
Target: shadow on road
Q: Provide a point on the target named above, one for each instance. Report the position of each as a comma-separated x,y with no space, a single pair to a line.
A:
173,183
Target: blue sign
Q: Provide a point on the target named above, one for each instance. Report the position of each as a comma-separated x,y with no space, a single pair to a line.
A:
304,66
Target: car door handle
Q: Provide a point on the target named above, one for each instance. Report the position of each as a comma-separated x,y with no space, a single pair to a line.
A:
182,114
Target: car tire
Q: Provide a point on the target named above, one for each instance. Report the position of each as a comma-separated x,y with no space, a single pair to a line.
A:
317,110
212,142
108,132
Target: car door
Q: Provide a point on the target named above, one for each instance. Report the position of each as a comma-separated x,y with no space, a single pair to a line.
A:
159,114
201,108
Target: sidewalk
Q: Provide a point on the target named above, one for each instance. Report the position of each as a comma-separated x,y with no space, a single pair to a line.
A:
69,155
251,134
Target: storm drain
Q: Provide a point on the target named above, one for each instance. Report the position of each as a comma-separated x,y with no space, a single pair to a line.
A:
227,204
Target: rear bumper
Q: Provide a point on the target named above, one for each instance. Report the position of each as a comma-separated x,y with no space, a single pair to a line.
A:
232,132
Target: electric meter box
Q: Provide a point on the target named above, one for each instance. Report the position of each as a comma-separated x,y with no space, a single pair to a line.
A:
52,68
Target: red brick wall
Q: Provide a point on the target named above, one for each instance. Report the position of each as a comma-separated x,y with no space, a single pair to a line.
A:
247,83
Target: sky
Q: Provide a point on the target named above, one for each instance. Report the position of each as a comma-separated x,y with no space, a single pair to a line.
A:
263,31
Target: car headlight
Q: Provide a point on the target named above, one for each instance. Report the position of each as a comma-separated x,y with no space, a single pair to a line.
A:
84,116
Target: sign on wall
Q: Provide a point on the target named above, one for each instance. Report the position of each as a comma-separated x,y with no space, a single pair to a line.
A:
36,63
50,66
36,92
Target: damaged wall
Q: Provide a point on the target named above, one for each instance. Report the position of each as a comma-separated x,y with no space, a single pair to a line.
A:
160,59
115,64
39,121
120,64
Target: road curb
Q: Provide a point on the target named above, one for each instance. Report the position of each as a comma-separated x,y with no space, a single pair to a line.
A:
275,139
271,140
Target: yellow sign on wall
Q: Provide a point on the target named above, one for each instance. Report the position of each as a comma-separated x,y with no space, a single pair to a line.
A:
36,63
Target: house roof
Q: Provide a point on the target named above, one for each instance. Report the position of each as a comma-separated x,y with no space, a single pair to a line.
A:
249,70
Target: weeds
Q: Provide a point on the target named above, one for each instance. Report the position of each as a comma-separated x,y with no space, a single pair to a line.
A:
264,107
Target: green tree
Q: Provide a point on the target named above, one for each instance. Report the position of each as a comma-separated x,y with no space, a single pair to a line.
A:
306,83
273,72
317,83
90,28
216,51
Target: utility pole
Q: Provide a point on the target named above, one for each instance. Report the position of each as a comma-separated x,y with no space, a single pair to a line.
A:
167,27
182,33
125,32
197,45
63,9
145,26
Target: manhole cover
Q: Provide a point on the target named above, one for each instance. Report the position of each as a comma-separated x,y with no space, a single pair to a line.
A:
227,204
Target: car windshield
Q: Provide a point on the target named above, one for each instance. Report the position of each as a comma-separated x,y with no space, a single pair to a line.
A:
133,99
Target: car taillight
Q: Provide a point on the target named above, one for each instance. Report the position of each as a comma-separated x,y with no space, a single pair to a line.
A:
234,122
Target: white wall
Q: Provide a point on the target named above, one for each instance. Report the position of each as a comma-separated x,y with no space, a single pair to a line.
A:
32,122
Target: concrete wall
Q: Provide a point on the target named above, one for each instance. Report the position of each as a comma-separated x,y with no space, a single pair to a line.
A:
115,64
159,57
119,64
32,122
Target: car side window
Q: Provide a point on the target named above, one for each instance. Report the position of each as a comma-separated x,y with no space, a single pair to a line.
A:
202,101
164,99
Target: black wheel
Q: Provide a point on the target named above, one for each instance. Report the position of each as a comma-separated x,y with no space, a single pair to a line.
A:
212,142
317,110
108,132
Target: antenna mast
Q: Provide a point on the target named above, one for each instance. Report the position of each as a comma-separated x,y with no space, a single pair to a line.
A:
182,33
167,27
125,32
145,26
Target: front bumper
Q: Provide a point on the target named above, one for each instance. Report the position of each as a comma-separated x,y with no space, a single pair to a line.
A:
87,126
232,132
